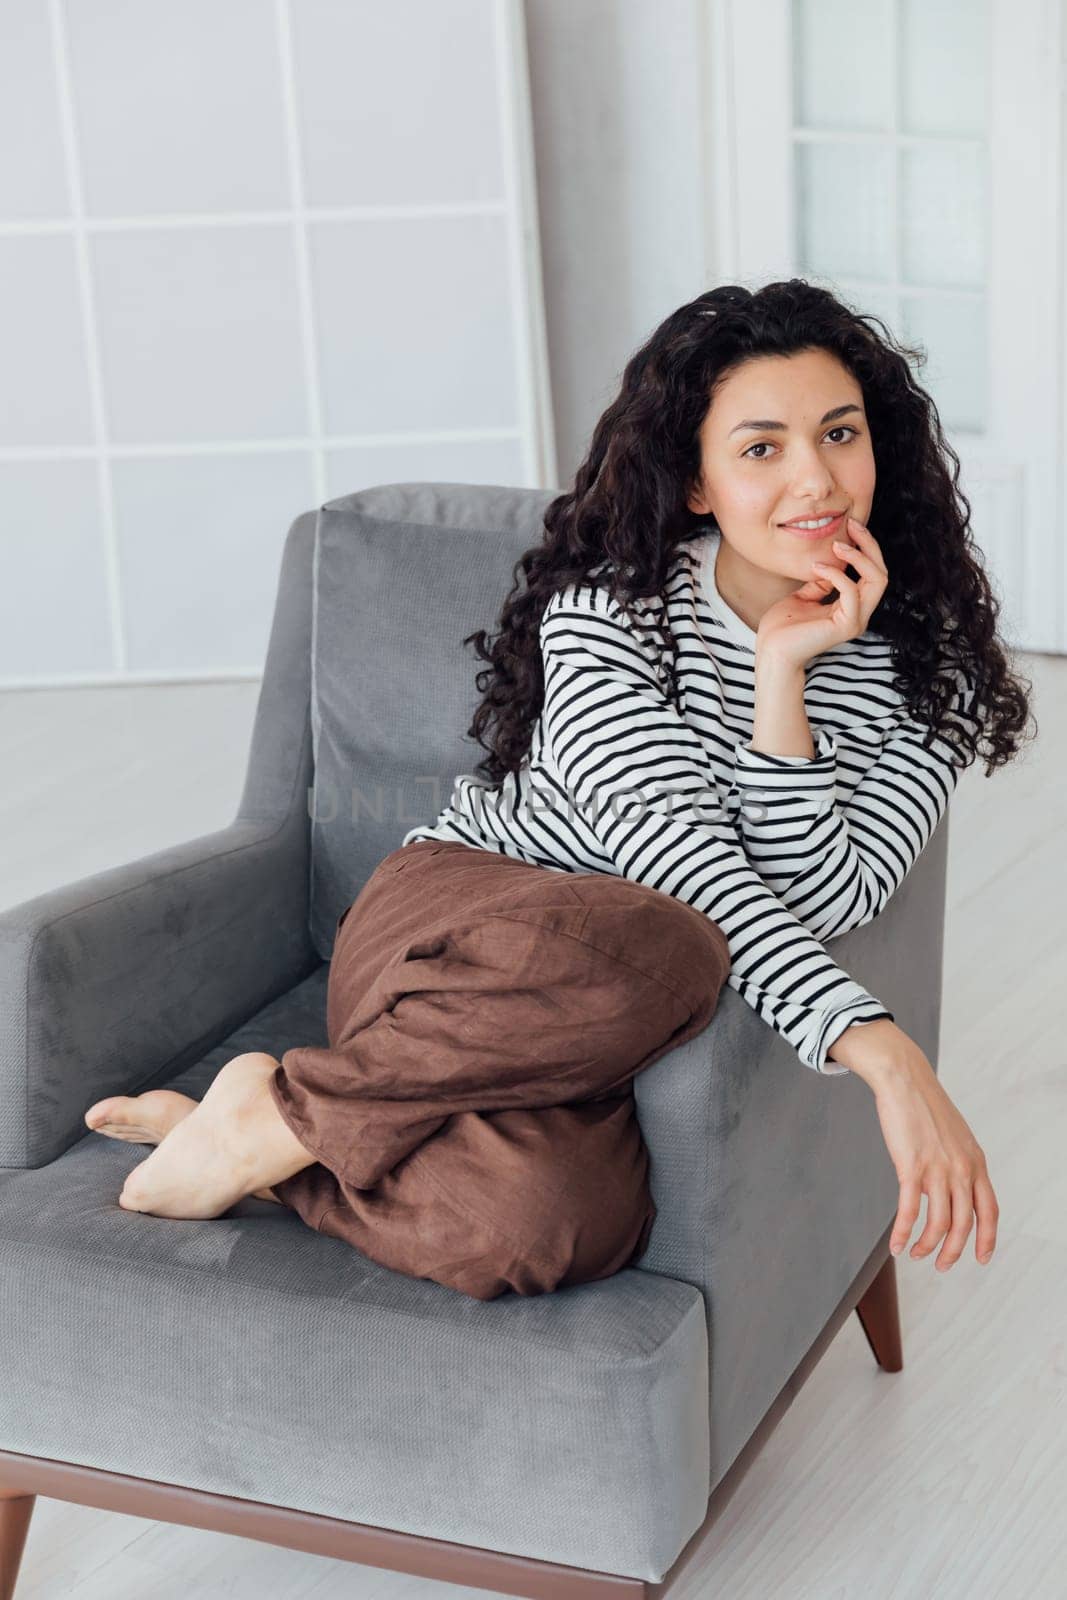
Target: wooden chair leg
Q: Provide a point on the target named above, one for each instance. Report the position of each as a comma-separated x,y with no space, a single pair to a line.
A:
879,1313
16,1509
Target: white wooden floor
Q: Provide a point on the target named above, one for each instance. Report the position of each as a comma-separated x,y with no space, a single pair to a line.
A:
947,1479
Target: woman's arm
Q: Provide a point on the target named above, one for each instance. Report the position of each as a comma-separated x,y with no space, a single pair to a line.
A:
835,866
640,776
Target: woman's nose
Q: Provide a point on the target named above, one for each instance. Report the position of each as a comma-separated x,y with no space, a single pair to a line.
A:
813,481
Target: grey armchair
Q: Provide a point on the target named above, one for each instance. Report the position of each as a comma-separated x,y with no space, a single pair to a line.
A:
248,1374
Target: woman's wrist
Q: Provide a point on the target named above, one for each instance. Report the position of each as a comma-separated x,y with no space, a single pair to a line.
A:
769,667
879,1052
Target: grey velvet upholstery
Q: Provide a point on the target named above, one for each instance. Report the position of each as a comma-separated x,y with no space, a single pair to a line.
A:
251,1356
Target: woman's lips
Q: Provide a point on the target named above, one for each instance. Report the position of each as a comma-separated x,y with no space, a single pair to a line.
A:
830,531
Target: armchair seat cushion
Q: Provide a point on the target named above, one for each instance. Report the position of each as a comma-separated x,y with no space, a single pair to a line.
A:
249,1356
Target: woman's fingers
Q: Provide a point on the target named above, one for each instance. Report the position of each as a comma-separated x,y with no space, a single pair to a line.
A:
938,1217
859,558
911,1191
869,542
962,1219
873,576
834,572
951,1210
988,1213
847,591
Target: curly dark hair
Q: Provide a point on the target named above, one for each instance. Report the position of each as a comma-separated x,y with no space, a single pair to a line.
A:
628,507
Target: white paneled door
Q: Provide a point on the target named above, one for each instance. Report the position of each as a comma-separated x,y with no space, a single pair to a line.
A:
907,154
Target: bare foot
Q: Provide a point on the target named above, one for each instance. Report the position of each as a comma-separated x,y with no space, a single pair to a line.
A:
231,1144
147,1119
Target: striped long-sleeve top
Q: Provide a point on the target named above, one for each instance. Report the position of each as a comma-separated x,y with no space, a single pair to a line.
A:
782,851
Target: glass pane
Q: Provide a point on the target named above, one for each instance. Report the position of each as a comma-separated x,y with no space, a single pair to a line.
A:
874,300
944,74
843,211
943,212
952,329
997,521
841,63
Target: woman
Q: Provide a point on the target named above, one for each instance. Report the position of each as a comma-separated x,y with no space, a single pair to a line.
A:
765,530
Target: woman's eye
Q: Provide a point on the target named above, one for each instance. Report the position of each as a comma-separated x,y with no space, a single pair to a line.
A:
762,444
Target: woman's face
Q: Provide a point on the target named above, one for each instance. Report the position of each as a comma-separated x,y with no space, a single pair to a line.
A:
771,453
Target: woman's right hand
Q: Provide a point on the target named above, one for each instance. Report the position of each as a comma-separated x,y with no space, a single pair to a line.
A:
932,1148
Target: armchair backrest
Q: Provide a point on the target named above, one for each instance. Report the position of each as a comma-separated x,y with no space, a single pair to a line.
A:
400,574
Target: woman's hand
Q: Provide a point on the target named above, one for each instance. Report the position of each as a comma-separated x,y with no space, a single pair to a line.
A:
932,1148
799,627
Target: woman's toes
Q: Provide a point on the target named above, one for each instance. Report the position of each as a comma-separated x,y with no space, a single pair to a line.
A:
142,1118
100,1112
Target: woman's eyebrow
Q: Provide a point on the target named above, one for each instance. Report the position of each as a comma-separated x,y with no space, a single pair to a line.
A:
838,411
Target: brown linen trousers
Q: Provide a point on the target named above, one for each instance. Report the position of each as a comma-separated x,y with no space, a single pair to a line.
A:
473,1116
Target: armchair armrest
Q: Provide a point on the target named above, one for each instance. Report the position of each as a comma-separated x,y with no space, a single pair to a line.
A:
117,982
773,1183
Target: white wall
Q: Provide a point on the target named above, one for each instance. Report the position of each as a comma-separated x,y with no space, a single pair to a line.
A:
254,254
621,99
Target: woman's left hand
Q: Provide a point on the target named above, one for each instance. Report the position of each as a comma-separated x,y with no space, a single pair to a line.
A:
797,628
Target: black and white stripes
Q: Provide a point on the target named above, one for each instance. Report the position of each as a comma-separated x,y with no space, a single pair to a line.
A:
781,851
